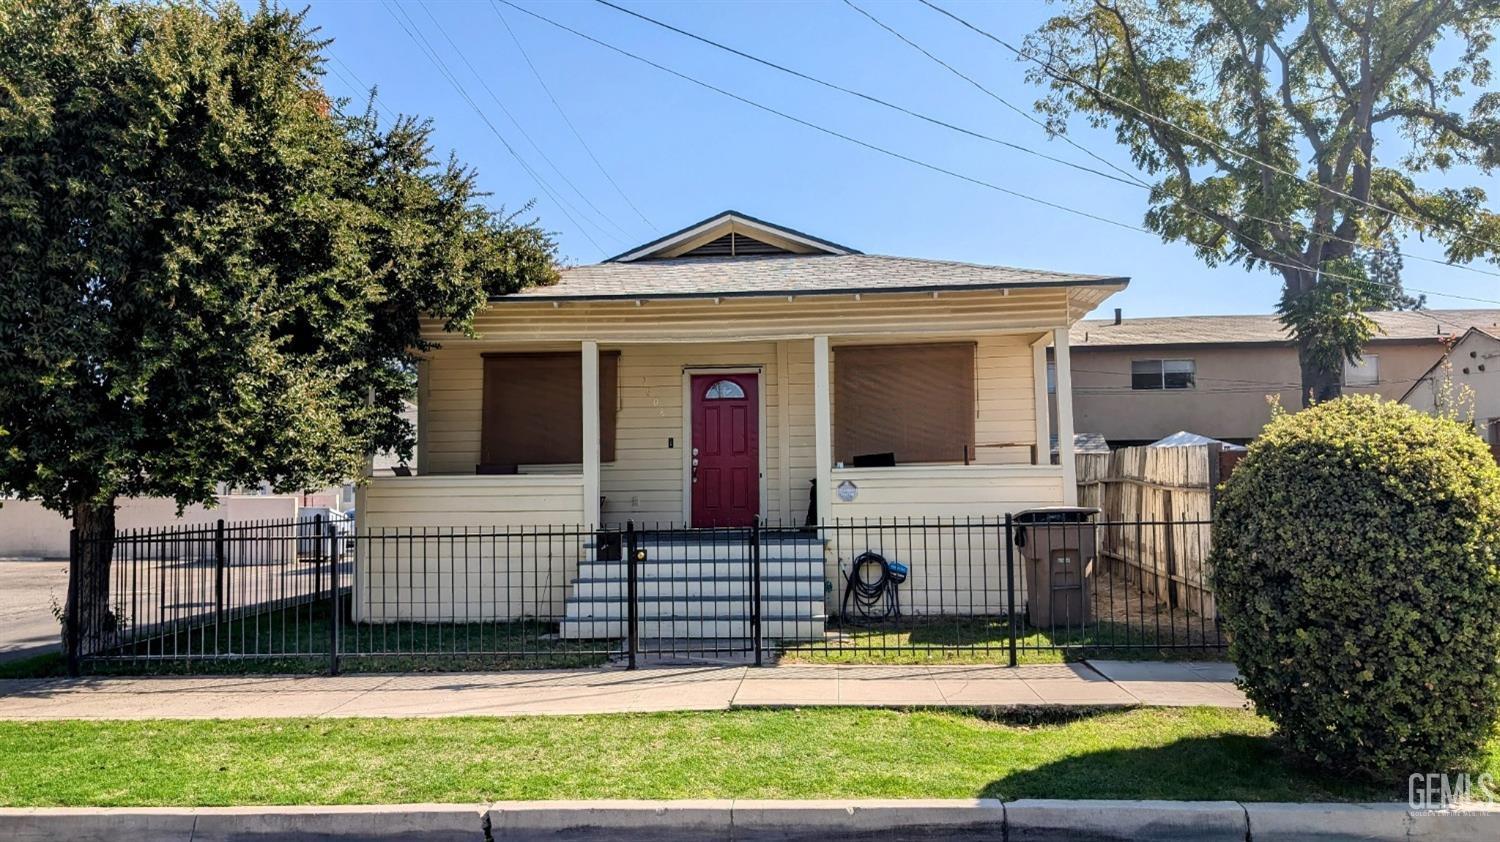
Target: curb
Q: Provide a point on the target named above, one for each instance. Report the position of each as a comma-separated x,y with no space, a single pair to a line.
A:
1025,820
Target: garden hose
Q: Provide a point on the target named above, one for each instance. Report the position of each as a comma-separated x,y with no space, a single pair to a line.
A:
877,597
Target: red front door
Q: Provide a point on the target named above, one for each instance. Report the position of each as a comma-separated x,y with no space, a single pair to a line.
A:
726,449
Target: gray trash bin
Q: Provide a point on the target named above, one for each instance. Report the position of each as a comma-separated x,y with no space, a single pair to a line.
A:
1060,549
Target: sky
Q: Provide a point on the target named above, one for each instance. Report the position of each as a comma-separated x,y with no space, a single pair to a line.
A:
658,153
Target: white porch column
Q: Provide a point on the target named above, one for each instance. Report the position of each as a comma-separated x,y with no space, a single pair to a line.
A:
1043,455
591,433
823,427
1065,416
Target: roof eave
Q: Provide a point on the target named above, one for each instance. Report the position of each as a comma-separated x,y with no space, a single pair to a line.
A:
1113,284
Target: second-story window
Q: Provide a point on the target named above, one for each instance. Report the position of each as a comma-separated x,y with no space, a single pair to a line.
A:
1366,372
1163,374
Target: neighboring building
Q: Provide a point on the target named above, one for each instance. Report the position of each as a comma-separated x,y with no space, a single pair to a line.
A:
1137,380
716,374
1466,379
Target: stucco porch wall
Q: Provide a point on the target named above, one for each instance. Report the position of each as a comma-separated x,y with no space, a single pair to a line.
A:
955,549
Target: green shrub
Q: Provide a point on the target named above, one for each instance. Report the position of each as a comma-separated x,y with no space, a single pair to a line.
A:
1355,563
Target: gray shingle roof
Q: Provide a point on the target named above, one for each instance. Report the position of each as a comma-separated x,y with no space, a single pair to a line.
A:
1219,330
789,275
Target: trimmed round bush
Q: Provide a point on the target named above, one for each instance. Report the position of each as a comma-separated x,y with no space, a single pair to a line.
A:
1355,563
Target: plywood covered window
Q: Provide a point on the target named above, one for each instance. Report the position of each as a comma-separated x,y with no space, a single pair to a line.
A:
533,408
913,401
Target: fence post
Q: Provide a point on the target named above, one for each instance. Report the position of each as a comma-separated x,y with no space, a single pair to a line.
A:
70,611
632,633
333,597
218,575
755,631
317,542
1010,583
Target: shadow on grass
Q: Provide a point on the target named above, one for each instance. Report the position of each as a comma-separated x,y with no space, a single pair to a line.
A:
1227,767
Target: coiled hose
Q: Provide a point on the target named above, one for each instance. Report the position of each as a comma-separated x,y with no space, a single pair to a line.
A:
877,597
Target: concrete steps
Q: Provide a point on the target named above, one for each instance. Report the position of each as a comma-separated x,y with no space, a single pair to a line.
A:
697,586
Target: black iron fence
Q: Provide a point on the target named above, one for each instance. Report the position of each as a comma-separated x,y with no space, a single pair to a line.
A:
312,595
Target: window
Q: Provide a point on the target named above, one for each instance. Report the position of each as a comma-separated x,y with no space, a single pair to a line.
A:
1051,377
913,401
724,390
533,409
1366,372
1163,374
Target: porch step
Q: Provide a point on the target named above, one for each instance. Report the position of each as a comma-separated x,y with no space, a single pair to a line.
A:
696,607
684,587
735,627
702,570
695,584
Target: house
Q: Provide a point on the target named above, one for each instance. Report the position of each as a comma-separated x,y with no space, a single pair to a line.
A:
733,370
1137,380
1465,379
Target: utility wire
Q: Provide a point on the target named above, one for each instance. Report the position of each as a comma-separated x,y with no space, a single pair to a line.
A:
1129,176
1297,265
462,92
1156,118
854,93
514,122
564,115
1134,179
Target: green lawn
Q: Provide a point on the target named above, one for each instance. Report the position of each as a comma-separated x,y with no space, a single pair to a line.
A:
816,753
985,640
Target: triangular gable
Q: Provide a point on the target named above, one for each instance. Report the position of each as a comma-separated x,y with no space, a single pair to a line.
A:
730,234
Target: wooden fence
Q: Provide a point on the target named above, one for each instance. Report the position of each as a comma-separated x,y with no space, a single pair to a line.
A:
1142,492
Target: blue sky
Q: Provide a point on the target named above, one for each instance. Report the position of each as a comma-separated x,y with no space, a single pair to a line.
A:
680,153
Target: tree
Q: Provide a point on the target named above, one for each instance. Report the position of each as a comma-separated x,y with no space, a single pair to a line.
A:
209,273
1262,119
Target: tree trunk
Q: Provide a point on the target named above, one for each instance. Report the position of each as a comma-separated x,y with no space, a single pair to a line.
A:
1318,383
88,618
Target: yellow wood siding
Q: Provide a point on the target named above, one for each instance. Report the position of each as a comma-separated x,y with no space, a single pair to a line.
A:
794,317
468,548
957,570
645,482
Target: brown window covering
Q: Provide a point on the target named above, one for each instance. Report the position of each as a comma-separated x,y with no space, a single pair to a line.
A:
533,409
916,401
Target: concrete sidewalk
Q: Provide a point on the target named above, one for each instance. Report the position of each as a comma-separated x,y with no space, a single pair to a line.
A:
1098,683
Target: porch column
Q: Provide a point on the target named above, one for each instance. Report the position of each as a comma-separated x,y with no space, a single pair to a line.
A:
823,427
591,433
1065,416
1043,455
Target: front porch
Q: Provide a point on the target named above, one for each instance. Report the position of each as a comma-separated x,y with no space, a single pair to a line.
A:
641,464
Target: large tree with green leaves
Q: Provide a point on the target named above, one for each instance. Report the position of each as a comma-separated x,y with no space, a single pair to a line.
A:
209,272
1263,122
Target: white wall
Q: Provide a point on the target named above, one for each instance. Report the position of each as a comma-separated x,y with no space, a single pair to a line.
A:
27,530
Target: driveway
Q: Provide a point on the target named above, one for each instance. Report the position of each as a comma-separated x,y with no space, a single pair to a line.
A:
28,590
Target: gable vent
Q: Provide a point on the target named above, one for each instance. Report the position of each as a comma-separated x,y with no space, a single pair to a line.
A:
734,245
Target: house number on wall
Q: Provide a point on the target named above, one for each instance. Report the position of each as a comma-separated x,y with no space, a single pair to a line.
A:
847,491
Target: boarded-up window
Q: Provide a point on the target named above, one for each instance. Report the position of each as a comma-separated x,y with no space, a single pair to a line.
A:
533,408
915,401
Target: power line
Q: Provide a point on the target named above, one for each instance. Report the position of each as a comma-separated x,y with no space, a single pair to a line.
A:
564,115
860,94
814,126
458,86
513,121
935,167
1134,180
1156,118
1131,177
